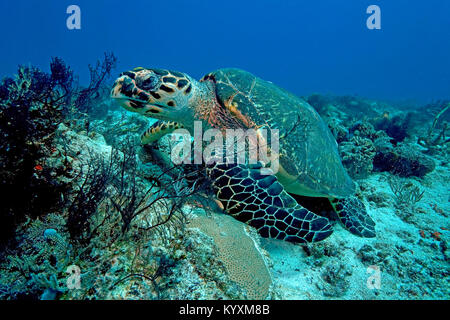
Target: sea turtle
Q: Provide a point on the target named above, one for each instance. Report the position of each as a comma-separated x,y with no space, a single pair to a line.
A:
309,162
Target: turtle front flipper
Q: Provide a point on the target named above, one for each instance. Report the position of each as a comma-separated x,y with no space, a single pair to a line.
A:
157,130
260,201
353,215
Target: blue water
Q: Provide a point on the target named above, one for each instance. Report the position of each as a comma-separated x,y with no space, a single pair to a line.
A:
304,46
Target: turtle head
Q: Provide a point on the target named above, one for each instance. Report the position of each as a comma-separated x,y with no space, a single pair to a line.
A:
156,93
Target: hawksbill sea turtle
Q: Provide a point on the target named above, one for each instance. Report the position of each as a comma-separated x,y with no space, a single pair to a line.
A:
309,162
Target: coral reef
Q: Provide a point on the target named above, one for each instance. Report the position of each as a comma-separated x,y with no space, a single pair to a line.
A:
433,141
396,127
32,105
141,261
243,258
89,214
357,156
403,160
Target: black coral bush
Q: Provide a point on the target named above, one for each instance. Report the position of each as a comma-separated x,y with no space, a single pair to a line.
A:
32,106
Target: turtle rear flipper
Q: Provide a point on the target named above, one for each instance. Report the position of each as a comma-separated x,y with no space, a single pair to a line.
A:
260,201
353,215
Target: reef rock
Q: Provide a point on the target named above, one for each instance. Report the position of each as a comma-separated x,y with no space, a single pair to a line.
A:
357,156
403,160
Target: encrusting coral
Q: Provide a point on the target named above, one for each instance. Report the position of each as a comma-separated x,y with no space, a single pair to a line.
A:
243,258
357,156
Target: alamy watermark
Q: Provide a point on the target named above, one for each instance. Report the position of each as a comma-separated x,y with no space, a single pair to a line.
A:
74,279
230,146
73,22
374,20
374,280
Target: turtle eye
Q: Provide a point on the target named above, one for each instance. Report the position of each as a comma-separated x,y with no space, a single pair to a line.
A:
148,82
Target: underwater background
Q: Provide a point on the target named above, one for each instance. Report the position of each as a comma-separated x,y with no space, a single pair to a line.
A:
89,213
303,46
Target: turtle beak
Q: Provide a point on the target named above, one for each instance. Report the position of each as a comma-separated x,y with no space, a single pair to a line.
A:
122,88
130,97
122,92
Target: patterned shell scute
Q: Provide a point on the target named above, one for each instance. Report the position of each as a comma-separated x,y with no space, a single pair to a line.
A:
308,150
